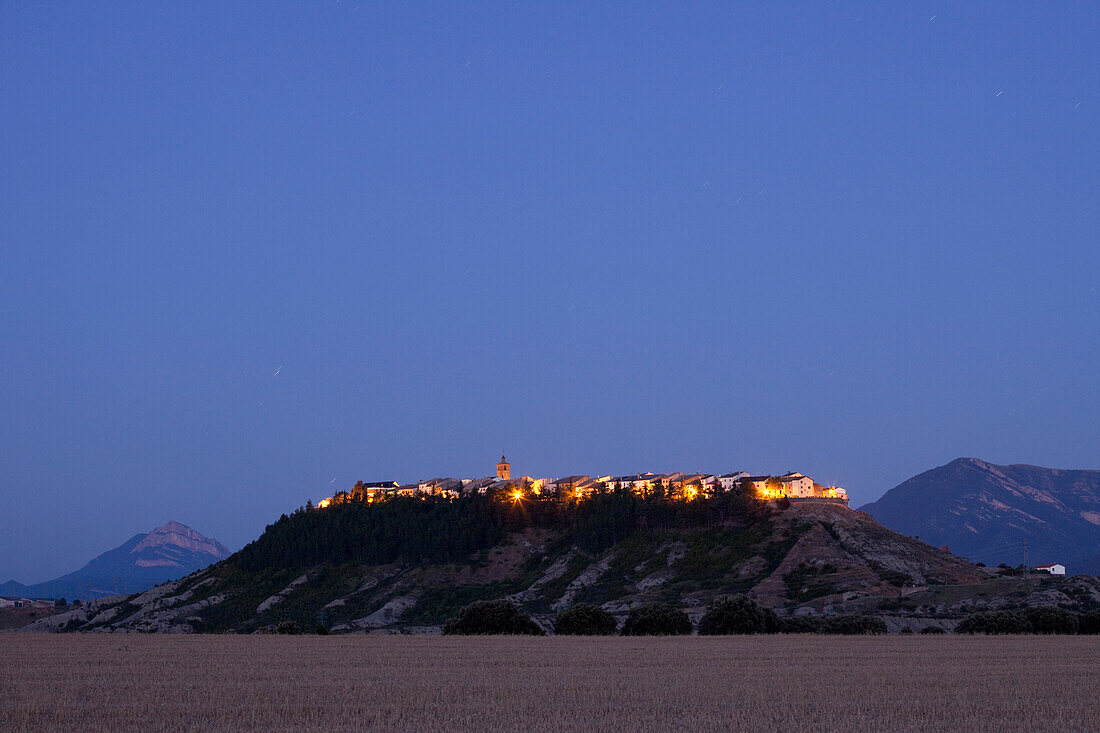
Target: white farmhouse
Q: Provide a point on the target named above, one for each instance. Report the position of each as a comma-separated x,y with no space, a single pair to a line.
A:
1053,568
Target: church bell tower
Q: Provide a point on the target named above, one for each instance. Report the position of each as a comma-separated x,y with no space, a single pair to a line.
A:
503,469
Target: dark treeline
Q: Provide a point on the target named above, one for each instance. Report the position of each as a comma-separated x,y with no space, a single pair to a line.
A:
1037,620
438,530
726,615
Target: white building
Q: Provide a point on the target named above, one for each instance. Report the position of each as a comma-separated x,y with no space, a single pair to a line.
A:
1053,568
638,483
730,480
797,485
757,483
587,487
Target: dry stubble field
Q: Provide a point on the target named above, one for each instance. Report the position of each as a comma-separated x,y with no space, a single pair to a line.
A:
169,683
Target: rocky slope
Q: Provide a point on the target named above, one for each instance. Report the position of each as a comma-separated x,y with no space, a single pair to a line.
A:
808,558
168,552
987,512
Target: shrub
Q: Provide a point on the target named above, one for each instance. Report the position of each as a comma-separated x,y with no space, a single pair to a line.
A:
854,624
287,627
321,630
906,630
491,617
805,582
1039,620
933,630
657,619
584,620
801,625
896,579
737,615
994,622
850,624
1089,622
975,623
1051,620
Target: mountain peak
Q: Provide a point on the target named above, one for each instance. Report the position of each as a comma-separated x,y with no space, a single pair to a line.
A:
970,461
168,552
180,535
997,513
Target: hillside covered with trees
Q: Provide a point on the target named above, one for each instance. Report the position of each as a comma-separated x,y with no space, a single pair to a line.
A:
410,564
438,530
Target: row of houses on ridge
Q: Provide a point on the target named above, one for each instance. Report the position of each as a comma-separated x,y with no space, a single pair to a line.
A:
792,485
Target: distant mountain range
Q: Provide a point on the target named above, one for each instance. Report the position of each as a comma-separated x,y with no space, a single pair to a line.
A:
167,553
987,513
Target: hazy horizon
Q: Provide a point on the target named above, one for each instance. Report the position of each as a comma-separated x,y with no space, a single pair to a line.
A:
255,252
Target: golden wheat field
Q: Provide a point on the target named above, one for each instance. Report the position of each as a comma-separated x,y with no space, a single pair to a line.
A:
805,683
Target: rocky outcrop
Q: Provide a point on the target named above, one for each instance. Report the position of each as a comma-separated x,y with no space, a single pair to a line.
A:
75,618
556,570
588,577
387,615
278,597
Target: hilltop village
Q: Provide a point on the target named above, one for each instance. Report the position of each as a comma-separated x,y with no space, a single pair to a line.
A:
684,486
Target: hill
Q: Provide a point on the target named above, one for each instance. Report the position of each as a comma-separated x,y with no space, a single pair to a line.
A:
168,552
987,512
406,565
17,618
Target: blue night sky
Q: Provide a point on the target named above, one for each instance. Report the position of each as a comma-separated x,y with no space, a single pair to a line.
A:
252,252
